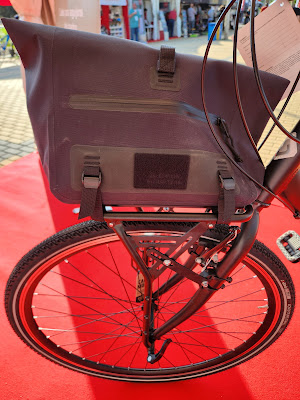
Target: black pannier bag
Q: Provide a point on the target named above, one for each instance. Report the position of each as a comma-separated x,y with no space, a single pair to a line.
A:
119,123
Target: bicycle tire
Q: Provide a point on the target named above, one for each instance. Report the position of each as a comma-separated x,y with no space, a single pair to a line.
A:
26,293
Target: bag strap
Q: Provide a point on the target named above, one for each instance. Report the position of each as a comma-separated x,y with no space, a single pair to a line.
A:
91,200
226,202
166,60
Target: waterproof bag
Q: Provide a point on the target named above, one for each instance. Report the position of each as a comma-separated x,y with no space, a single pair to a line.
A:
117,122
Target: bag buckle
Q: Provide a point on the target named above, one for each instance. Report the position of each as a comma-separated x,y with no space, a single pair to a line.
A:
91,181
227,183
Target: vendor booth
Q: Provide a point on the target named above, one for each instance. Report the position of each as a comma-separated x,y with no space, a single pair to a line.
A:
114,18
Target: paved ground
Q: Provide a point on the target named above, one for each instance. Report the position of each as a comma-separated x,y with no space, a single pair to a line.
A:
16,138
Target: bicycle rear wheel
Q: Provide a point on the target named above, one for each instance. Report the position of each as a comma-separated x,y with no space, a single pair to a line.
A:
73,299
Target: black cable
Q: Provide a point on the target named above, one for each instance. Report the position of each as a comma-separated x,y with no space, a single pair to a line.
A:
235,77
258,80
282,110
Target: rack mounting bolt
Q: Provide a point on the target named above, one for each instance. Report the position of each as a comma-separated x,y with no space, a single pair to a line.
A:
210,226
111,224
167,262
204,284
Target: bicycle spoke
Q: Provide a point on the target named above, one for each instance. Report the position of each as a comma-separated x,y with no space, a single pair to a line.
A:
177,342
164,356
131,362
84,297
109,348
98,339
76,280
190,351
232,319
239,270
117,362
104,291
230,301
110,269
87,307
123,284
242,281
227,319
179,331
173,292
83,304
117,338
202,345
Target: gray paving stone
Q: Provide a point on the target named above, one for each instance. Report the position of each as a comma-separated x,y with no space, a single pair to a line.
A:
27,142
28,148
13,146
13,151
4,155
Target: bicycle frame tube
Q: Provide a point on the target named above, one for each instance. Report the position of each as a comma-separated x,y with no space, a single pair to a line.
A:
279,174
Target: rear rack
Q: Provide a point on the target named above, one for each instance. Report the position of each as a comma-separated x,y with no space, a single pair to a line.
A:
174,216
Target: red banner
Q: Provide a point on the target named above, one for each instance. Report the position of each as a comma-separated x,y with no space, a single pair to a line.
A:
5,3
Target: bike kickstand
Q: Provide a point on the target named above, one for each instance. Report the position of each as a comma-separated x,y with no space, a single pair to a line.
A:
153,358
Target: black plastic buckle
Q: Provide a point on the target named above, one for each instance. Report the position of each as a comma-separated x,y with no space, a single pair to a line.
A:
91,181
227,183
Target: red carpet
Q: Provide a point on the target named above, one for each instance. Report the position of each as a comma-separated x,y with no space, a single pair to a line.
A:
29,214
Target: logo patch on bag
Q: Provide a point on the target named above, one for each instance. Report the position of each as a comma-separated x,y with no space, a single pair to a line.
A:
161,171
